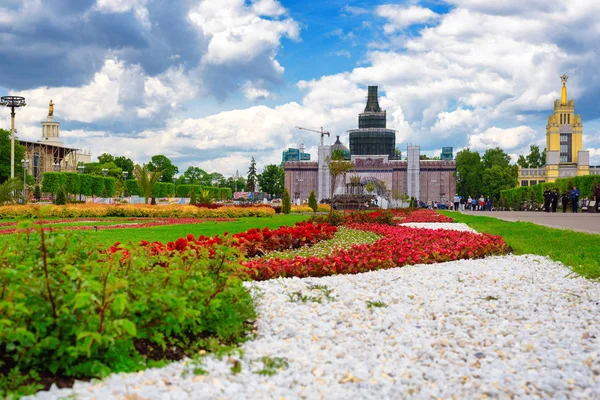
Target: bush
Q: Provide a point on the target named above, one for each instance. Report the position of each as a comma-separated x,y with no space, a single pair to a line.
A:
61,198
69,310
132,187
85,184
37,193
51,182
312,201
109,187
286,204
193,197
97,185
163,189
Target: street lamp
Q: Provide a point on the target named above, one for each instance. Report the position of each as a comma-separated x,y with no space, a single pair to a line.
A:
25,164
12,102
125,175
104,171
56,167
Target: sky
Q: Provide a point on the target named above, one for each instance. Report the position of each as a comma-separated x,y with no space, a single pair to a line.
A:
213,83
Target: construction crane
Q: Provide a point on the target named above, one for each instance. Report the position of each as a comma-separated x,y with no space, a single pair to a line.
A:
322,132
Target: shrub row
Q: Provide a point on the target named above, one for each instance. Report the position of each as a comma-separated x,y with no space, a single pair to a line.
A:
138,210
515,197
74,183
69,310
214,192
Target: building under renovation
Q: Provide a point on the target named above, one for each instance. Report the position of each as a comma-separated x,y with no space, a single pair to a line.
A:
375,158
49,153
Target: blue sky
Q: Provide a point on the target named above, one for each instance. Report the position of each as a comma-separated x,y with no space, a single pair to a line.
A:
214,83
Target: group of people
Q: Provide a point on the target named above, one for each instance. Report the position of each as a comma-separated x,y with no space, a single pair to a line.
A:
551,199
481,204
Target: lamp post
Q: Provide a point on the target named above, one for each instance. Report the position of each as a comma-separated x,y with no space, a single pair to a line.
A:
125,175
12,102
104,171
25,164
80,169
56,167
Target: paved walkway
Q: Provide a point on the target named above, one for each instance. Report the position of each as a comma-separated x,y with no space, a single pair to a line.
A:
582,222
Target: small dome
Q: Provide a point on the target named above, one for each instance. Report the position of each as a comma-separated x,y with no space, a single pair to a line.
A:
339,146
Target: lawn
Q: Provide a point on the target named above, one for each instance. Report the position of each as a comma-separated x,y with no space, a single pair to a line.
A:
172,232
580,251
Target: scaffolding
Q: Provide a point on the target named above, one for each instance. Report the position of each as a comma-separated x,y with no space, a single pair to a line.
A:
45,157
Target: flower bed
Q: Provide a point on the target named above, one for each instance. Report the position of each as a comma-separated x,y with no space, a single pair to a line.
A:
398,246
251,243
131,224
138,210
423,215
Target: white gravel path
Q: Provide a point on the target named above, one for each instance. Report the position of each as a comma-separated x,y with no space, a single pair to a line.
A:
502,327
441,225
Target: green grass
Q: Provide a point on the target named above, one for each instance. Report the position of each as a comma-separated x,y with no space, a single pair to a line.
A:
173,232
578,250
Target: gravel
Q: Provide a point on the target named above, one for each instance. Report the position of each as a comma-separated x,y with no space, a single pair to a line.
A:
511,326
441,225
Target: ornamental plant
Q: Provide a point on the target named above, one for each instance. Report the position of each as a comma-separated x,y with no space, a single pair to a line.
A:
69,309
312,201
60,196
286,204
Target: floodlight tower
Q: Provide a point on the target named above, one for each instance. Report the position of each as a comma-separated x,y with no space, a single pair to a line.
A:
12,102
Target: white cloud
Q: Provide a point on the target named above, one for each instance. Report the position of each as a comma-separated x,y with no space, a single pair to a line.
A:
355,10
269,8
400,17
507,139
236,32
122,6
253,92
448,122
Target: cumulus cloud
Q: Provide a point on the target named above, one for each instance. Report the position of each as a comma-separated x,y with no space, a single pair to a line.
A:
400,17
507,139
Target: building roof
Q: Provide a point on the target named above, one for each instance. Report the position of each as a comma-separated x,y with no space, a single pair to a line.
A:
339,146
47,144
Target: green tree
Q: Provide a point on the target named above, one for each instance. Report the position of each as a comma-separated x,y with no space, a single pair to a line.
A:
495,156
106,158
522,162
236,185
5,156
165,166
193,200
60,196
271,180
469,172
535,158
286,203
37,193
251,181
146,180
337,167
312,201
195,176
217,180
496,179
126,164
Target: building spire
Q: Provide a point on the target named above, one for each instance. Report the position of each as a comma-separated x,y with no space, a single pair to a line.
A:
372,100
563,97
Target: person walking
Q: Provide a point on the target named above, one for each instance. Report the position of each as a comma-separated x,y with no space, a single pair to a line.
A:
482,203
488,204
555,196
565,200
547,199
469,203
574,198
456,202
597,196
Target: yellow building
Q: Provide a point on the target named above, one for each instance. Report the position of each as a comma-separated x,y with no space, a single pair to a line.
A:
564,145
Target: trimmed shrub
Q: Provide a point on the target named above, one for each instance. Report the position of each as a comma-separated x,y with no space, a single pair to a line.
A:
61,198
72,182
163,189
286,204
132,187
312,201
85,184
226,193
109,186
51,181
97,185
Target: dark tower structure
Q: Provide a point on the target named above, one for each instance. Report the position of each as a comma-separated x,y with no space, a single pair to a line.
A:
372,138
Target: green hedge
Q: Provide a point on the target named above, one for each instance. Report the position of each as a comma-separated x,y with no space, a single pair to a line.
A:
132,187
85,184
97,185
217,193
51,181
109,186
585,185
163,189
72,182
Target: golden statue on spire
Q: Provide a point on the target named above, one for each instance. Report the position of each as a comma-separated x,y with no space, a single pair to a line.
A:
563,96
51,109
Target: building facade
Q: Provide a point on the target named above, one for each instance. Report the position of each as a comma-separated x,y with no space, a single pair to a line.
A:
564,145
50,154
292,154
373,153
